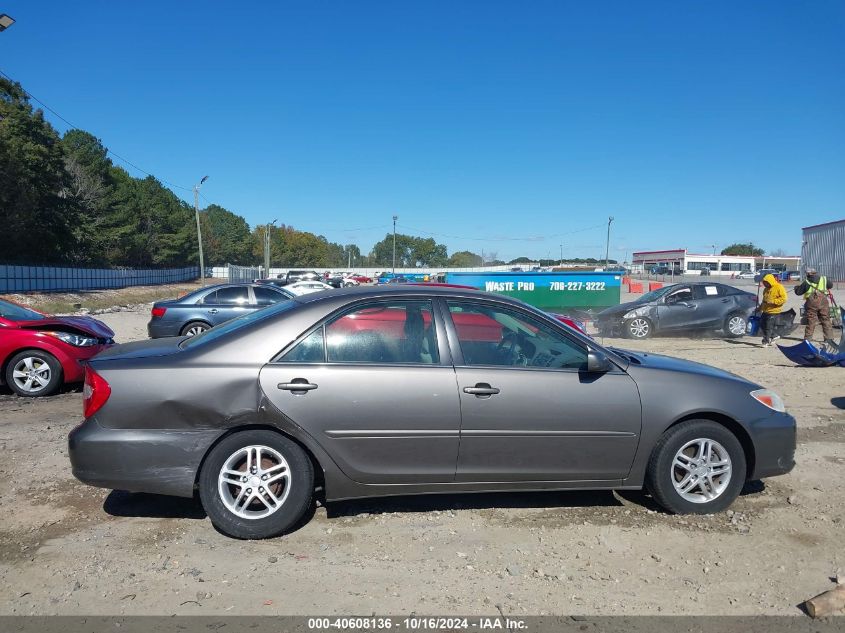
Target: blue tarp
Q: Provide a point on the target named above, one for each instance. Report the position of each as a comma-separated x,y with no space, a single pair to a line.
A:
808,355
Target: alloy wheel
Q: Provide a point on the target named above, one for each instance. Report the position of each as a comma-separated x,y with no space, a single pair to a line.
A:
194,330
701,470
254,482
32,374
639,328
736,325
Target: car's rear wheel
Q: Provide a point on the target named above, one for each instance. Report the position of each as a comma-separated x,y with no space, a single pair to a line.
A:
735,325
34,373
638,328
256,484
194,327
697,467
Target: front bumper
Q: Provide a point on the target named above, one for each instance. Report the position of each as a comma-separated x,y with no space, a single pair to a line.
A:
774,440
611,326
138,460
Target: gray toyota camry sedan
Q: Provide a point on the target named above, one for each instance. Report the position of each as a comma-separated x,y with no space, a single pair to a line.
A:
395,390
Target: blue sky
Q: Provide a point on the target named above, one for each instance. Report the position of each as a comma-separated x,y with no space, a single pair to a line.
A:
512,127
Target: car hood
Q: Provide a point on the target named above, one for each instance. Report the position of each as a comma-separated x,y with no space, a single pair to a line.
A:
621,309
143,349
84,324
670,363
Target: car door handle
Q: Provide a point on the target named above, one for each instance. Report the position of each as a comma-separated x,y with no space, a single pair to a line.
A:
297,385
213,311
482,390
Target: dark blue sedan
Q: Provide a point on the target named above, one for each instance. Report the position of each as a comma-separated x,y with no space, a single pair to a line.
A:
203,309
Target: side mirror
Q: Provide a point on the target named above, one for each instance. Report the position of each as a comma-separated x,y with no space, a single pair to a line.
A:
598,363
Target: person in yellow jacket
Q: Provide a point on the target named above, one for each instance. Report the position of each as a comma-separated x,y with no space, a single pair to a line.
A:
774,296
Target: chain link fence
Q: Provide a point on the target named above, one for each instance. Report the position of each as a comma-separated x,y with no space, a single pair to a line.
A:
58,279
243,273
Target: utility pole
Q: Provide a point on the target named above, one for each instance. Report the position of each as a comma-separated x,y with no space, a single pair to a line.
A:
267,230
561,255
199,230
607,248
395,217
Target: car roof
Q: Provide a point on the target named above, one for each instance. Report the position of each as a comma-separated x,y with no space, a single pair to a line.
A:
407,290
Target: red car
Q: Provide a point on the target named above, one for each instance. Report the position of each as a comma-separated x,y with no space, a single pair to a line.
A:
39,353
361,279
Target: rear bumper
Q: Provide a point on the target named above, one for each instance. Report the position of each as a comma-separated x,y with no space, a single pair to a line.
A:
154,461
156,328
774,442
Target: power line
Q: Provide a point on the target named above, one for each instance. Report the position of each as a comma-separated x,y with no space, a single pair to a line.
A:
538,238
108,151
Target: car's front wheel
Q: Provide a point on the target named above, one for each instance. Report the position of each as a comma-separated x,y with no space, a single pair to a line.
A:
735,325
34,373
638,328
256,484
697,467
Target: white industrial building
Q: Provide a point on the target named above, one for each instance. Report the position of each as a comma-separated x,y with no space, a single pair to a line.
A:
691,263
823,248
727,265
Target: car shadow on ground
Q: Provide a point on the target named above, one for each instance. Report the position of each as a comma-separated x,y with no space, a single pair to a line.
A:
476,501
120,503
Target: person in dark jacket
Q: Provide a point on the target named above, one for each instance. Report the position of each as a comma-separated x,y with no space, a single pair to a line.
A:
816,305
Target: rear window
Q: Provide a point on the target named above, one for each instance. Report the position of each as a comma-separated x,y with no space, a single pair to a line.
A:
236,324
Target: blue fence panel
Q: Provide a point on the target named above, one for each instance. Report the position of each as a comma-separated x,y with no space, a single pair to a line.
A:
57,279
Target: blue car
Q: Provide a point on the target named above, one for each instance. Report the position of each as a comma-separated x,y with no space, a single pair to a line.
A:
203,309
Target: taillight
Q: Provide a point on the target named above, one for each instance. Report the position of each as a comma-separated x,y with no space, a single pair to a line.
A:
158,312
95,392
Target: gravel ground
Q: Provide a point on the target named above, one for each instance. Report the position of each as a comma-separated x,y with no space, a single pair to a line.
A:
66,548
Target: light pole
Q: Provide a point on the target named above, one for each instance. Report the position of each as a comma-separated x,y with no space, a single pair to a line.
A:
6,21
267,248
607,248
395,217
561,255
199,231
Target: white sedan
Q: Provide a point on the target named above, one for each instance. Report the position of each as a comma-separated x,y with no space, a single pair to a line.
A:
305,287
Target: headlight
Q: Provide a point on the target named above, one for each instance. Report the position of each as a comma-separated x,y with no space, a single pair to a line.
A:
77,340
770,399
635,313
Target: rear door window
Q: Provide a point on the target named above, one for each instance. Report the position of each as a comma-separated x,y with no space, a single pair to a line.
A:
266,297
707,291
384,332
233,295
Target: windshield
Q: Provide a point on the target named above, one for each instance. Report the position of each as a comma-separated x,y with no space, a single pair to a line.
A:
654,294
14,312
238,323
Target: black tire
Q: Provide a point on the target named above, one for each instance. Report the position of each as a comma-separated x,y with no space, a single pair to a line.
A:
729,322
55,376
661,473
638,328
196,327
291,510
